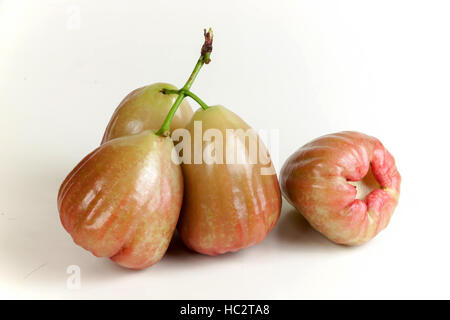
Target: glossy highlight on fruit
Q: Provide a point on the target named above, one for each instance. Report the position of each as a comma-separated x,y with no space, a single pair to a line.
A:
345,184
226,206
145,109
123,200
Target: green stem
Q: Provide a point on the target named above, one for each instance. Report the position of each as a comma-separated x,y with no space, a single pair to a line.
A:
165,127
196,99
194,74
204,58
187,93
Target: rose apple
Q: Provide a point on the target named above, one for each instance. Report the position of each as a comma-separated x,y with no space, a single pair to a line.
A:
123,200
227,205
345,184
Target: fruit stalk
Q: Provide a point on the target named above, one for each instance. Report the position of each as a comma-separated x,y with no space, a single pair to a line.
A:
183,92
187,93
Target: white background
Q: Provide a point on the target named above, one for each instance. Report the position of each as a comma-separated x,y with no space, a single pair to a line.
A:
306,68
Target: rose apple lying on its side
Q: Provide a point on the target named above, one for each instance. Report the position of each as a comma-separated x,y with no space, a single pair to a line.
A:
345,184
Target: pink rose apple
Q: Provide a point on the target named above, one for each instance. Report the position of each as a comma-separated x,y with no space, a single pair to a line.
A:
345,184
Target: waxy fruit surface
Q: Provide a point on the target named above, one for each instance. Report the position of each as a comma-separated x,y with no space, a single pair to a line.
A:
123,200
145,109
226,207
319,180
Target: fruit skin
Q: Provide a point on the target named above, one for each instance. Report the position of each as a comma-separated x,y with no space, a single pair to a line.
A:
226,207
145,109
123,200
315,181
